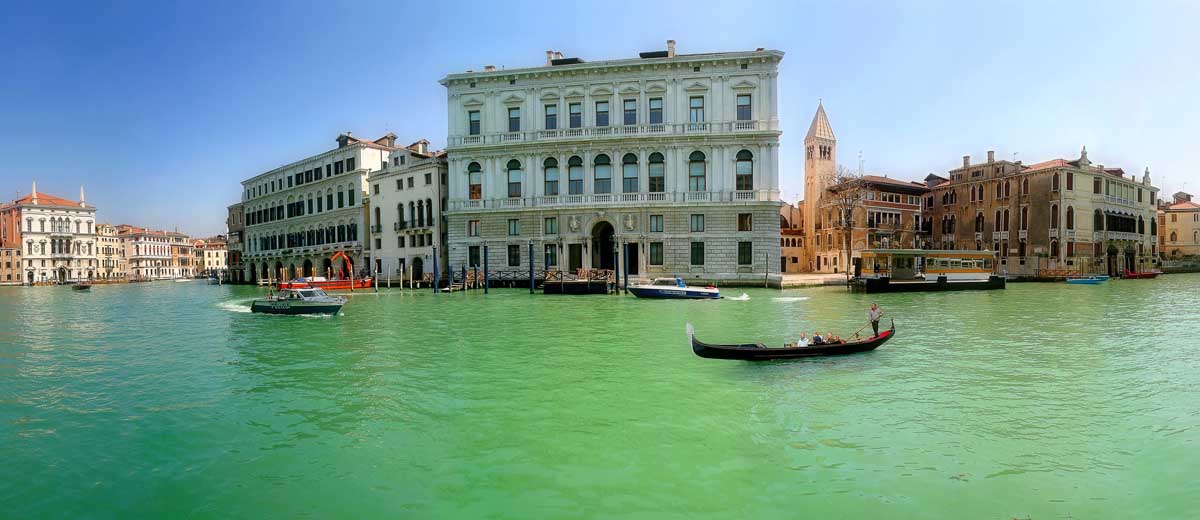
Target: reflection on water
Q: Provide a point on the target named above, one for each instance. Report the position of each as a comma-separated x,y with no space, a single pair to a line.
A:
1043,400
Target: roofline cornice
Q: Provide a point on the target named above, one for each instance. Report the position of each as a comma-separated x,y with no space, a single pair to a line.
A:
607,65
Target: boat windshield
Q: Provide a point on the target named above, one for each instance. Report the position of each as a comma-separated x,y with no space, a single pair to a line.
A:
307,294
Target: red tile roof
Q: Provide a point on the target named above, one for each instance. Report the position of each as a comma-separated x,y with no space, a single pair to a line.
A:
1053,163
49,200
1184,206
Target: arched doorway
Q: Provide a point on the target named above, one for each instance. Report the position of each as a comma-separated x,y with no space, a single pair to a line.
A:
308,267
602,246
253,274
62,274
418,268
1111,253
1130,255
326,268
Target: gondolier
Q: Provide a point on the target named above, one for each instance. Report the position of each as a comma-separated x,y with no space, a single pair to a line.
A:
874,314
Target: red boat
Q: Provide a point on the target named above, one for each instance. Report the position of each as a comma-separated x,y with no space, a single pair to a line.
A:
1140,275
341,282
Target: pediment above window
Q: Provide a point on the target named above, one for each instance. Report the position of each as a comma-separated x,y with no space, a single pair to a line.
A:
630,89
574,93
601,91
696,86
472,101
549,95
745,85
512,99
656,87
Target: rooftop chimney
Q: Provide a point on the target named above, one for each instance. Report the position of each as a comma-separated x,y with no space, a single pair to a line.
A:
966,161
489,68
991,156
558,55
549,57
670,48
82,201
35,192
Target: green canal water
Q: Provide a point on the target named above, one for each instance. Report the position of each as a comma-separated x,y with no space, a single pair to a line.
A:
172,400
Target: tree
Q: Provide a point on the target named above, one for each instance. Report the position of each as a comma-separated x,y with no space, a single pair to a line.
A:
846,196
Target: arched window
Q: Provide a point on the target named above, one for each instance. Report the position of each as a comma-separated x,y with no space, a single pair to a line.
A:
1024,186
575,176
514,178
1006,220
1007,189
1024,219
474,181
1070,180
658,175
979,222
412,213
696,173
1054,249
954,197
550,172
999,191
602,174
744,169
429,211
999,224
1054,216
420,213
629,173
1141,226
400,213
1070,217
1154,227
1174,237
1097,221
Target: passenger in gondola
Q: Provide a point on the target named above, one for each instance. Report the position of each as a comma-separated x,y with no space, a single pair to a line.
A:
832,339
803,341
818,339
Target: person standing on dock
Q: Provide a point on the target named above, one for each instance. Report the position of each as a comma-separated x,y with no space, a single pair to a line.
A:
874,314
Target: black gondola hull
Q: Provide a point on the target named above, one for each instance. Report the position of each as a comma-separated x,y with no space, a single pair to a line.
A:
760,352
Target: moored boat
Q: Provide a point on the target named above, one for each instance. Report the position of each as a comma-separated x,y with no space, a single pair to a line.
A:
82,286
918,270
1086,280
673,288
760,352
299,301
320,282
1140,275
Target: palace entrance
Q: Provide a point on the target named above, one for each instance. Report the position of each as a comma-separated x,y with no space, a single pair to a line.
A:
631,251
602,246
1111,254
308,268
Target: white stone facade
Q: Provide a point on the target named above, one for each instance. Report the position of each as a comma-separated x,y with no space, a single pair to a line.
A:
155,255
298,215
674,156
407,201
57,237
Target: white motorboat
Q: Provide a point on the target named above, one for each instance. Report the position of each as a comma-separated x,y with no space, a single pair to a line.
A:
673,288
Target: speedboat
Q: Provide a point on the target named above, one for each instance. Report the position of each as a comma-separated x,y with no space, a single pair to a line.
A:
299,301
673,288
1140,275
1086,280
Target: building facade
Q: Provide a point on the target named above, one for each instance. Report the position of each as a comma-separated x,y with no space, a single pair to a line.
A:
820,169
792,238
672,158
407,200
1057,215
155,255
888,214
211,257
111,254
1179,225
235,225
10,266
57,235
299,215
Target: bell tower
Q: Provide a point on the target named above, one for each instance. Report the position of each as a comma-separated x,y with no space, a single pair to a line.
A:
820,158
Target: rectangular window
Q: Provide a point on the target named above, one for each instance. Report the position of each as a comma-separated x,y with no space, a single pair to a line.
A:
551,177
697,223
337,167
400,242
514,119
602,113
428,179
551,226
551,255
697,256
289,181
472,228
473,122
696,110
603,178
743,107
575,179
745,222
473,256
576,114
514,255
399,184
328,170
341,199
656,253
656,111
745,253
329,201
551,117
629,111
375,189
378,243
656,223
514,227
350,164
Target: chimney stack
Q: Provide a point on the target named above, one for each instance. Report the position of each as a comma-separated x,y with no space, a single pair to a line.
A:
81,199
489,68
670,48
34,192
966,161
558,55
549,58
991,156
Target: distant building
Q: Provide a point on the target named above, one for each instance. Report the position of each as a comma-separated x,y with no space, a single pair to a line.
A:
155,255
235,225
791,238
407,199
672,158
210,256
112,253
1179,227
888,215
298,215
57,235
10,266
1057,215
820,170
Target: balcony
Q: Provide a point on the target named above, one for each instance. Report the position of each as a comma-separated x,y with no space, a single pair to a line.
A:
376,228
613,199
399,226
708,127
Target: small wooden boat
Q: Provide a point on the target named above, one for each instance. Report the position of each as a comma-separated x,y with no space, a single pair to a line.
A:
1140,275
760,352
82,286
299,301
673,288
1086,280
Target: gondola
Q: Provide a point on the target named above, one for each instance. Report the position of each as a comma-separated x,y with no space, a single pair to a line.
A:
760,352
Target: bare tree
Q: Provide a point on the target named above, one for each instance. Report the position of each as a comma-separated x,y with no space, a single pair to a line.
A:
846,196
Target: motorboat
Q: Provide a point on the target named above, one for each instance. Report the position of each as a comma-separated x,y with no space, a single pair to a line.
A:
1086,280
82,286
299,301
760,352
1140,275
673,288
320,282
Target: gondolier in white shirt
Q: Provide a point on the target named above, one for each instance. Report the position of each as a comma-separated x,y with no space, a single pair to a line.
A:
874,314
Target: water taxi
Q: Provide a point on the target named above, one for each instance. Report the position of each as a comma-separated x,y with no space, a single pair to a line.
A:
673,288
914,270
299,301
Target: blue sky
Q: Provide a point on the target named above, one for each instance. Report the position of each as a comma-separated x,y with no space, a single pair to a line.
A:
160,110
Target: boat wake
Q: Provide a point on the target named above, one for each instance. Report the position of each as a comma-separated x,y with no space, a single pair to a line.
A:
790,298
741,298
242,305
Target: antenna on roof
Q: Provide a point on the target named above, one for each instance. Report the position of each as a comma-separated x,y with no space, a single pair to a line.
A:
860,163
